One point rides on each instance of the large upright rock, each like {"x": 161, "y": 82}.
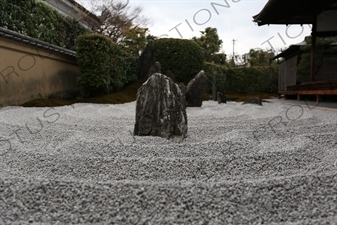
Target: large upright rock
{"x": 146, "y": 61}
{"x": 196, "y": 89}
{"x": 159, "y": 111}
{"x": 183, "y": 94}
{"x": 170, "y": 75}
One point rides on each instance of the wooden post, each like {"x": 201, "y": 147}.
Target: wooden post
{"x": 299, "y": 97}
{"x": 313, "y": 49}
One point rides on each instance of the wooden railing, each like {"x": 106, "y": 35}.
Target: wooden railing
{"x": 314, "y": 86}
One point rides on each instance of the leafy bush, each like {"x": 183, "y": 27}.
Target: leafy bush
{"x": 219, "y": 71}
{"x": 124, "y": 67}
{"x": 93, "y": 57}
{"x": 184, "y": 58}
{"x": 219, "y": 58}
{"x": 255, "y": 79}
{"x": 37, "y": 20}
{"x": 104, "y": 66}
{"x": 243, "y": 80}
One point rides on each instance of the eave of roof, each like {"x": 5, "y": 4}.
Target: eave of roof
{"x": 294, "y": 48}
{"x": 12, "y": 35}
{"x": 87, "y": 12}
{"x": 292, "y": 11}
{"x": 290, "y": 50}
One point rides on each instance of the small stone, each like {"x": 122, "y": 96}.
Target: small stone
{"x": 221, "y": 98}
{"x": 254, "y": 100}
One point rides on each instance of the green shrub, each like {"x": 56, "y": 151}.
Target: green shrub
{"x": 254, "y": 79}
{"x": 93, "y": 57}
{"x": 184, "y": 58}
{"x": 104, "y": 66}
{"x": 219, "y": 58}
{"x": 37, "y": 20}
{"x": 124, "y": 67}
{"x": 243, "y": 80}
{"x": 219, "y": 71}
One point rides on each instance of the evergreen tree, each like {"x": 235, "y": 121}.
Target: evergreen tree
{"x": 210, "y": 44}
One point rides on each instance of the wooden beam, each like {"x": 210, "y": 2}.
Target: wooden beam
{"x": 318, "y": 92}
{"x": 314, "y": 92}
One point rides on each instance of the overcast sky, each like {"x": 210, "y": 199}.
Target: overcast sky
{"x": 232, "y": 18}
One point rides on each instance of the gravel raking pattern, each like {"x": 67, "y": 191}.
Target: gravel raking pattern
{"x": 240, "y": 164}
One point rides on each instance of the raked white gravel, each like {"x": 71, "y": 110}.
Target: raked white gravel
{"x": 240, "y": 164}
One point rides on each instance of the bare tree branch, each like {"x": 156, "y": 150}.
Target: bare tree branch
{"x": 116, "y": 17}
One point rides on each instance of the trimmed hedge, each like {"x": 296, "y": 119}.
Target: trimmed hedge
{"x": 124, "y": 67}
{"x": 104, "y": 66}
{"x": 93, "y": 57}
{"x": 37, "y": 20}
{"x": 184, "y": 58}
{"x": 243, "y": 79}
{"x": 211, "y": 68}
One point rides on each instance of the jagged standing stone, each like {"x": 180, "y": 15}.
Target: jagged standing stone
{"x": 146, "y": 61}
{"x": 183, "y": 94}
{"x": 156, "y": 68}
{"x": 196, "y": 89}
{"x": 170, "y": 75}
{"x": 221, "y": 98}
{"x": 254, "y": 100}
{"x": 159, "y": 111}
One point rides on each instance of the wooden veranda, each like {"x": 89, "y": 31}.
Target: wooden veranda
{"x": 316, "y": 88}
{"x": 322, "y": 15}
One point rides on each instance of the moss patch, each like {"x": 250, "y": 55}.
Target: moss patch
{"x": 128, "y": 94}
{"x": 243, "y": 97}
